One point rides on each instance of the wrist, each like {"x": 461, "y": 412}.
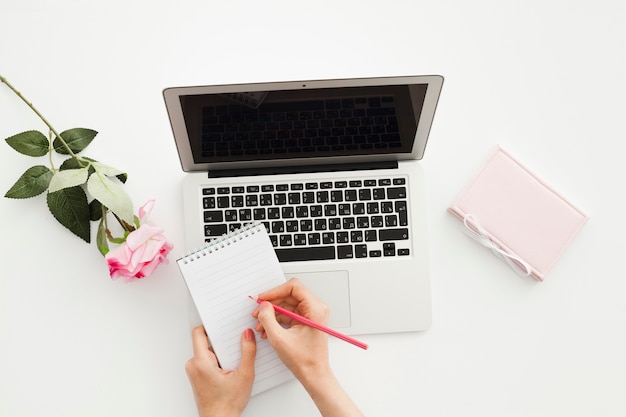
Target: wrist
{"x": 316, "y": 377}
{"x": 220, "y": 413}
{"x": 328, "y": 395}
{"x": 219, "y": 410}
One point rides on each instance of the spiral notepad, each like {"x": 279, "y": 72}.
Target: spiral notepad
{"x": 220, "y": 277}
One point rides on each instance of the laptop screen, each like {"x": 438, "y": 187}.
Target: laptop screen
{"x": 302, "y": 123}
{"x": 314, "y": 122}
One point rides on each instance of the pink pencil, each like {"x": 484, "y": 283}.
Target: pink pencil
{"x": 315, "y": 325}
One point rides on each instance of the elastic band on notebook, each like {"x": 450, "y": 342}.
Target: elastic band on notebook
{"x": 474, "y": 230}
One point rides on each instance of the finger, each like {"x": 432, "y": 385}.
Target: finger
{"x": 283, "y": 291}
{"x": 200, "y": 341}
{"x": 281, "y": 318}
{"x": 248, "y": 354}
{"x": 267, "y": 318}
{"x": 306, "y": 303}
{"x": 210, "y": 356}
{"x": 294, "y": 296}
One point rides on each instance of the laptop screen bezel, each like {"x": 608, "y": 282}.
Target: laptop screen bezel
{"x": 172, "y": 97}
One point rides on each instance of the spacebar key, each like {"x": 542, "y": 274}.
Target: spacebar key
{"x": 316, "y": 253}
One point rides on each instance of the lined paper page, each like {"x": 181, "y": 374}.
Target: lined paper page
{"x": 220, "y": 279}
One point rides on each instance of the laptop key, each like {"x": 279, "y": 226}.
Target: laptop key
{"x": 316, "y": 253}
{"x": 306, "y": 225}
{"x": 391, "y": 220}
{"x": 365, "y": 194}
{"x": 223, "y": 202}
{"x": 299, "y": 239}
{"x": 208, "y": 202}
{"x": 259, "y": 214}
{"x": 356, "y": 236}
{"x": 342, "y": 237}
{"x": 345, "y": 252}
{"x": 396, "y": 192}
{"x": 245, "y": 215}
{"x": 389, "y": 249}
{"x": 213, "y": 216}
{"x": 314, "y": 238}
{"x": 215, "y": 230}
{"x": 386, "y": 207}
{"x": 360, "y": 251}
{"x": 266, "y": 199}
{"x": 278, "y": 227}
{"x": 230, "y": 215}
{"x": 393, "y": 234}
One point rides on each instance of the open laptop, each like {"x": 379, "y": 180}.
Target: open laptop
{"x": 331, "y": 168}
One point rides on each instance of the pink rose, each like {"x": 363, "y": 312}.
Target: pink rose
{"x": 143, "y": 251}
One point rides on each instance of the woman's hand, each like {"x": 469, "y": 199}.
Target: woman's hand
{"x": 302, "y": 348}
{"x": 219, "y": 392}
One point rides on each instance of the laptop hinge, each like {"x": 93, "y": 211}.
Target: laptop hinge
{"x": 302, "y": 169}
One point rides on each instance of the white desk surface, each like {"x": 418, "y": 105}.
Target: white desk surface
{"x": 545, "y": 79}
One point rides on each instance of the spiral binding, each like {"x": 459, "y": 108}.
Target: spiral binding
{"x": 221, "y": 242}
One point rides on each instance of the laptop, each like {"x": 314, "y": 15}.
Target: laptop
{"x": 331, "y": 168}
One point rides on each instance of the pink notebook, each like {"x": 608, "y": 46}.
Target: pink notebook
{"x": 513, "y": 212}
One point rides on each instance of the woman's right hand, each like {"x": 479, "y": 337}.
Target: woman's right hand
{"x": 303, "y": 349}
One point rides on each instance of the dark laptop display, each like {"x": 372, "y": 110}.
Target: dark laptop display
{"x": 289, "y": 124}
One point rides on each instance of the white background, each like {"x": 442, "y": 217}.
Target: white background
{"x": 544, "y": 79}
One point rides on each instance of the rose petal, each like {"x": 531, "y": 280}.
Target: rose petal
{"x": 145, "y": 210}
{"x": 140, "y": 236}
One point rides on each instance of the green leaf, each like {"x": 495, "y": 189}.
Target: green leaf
{"x": 68, "y": 178}
{"x": 31, "y": 143}
{"x": 101, "y": 238}
{"x": 110, "y": 171}
{"x": 95, "y": 210}
{"x": 69, "y": 206}
{"x": 73, "y": 163}
{"x": 112, "y": 196}
{"x": 77, "y": 139}
{"x": 107, "y": 170}
{"x": 32, "y": 182}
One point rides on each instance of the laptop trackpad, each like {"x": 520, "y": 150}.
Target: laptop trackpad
{"x": 333, "y": 288}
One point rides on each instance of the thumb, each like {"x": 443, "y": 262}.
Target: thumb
{"x": 248, "y": 353}
{"x": 267, "y": 317}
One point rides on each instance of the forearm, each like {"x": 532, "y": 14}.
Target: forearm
{"x": 328, "y": 395}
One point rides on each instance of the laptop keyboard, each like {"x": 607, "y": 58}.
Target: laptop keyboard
{"x": 317, "y": 220}
{"x": 315, "y": 126}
